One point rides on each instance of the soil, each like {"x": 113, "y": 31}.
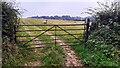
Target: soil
{"x": 71, "y": 59}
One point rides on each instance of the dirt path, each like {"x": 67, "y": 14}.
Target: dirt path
{"x": 71, "y": 59}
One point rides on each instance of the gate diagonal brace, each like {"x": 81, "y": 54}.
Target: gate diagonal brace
{"x": 69, "y": 33}
{"x": 39, "y": 35}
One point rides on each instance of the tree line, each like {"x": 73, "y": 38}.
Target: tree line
{"x": 64, "y": 17}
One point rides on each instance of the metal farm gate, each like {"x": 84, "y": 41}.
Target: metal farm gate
{"x": 56, "y": 30}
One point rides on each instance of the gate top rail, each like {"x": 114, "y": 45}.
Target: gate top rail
{"x": 52, "y": 25}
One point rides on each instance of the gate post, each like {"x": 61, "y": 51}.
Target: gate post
{"x": 87, "y": 29}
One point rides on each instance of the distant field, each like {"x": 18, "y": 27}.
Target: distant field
{"x": 50, "y": 21}
{"x": 40, "y": 21}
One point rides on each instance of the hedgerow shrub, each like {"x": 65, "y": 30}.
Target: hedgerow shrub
{"x": 106, "y": 41}
{"x": 10, "y": 16}
{"x": 11, "y": 54}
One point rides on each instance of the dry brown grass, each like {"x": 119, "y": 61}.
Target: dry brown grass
{"x": 51, "y": 21}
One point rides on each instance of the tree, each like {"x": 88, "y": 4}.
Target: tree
{"x": 9, "y": 19}
{"x": 107, "y": 14}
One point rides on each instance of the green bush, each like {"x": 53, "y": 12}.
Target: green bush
{"x": 106, "y": 41}
{"x": 101, "y": 49}
{"x": 9, "y": 19}
{"x": 107, "y": 13}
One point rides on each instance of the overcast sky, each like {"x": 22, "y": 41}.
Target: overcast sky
{"x": 56, "y": 7}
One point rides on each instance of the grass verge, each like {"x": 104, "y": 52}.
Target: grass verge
{"x": 93, "y": 58}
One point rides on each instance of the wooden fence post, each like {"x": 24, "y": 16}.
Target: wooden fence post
{"x": 87, "y": 29}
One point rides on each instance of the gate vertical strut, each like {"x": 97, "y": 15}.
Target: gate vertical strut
{"x": 55, "y": 34}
